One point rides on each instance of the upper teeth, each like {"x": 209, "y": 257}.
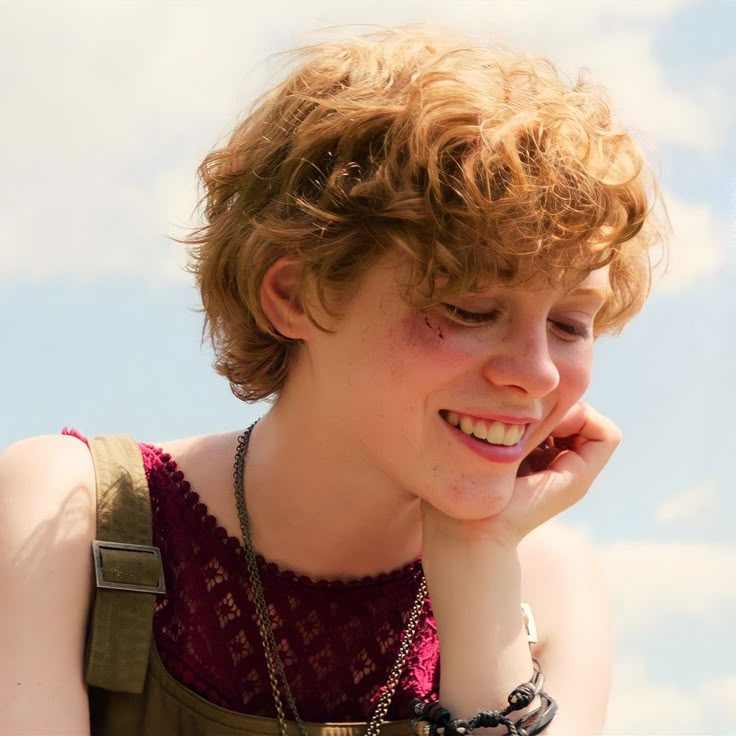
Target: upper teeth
{"x": 496, "y": 433}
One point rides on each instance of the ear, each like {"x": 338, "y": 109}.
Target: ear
{"x": 282, "y": 300}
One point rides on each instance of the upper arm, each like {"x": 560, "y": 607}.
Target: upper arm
{"x": 47, "y": 523}
{"x": 566, "y": 586}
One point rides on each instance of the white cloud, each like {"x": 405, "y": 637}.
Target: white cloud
{"x": 661, "y": 115}
{"x": 693, "y": 245}
{"x": 698, "y": 120}
{"x": 616, "y": 42}
{"x": 655, "y": 581}
{"x": 654, "y": 584}
{"x": 108, "y": 108}
{"x": 643, "y": 705}
{"x": 689, "y": 506}
{"x": 100, "y": 164}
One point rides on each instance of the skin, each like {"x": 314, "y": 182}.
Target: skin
{"x": 366, "y": 400}
{"x": 364, "y": 406}
{"x": 374, "y": 478}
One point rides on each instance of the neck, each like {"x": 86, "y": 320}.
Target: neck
{"x": 316, "y": 509}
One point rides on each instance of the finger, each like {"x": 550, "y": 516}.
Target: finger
{"x": 572, "y": 422}
{"x": 597, "y": 439}
{"x": 584, "y": 421}
{"x": 590, "y": 450}
{"x": 579, "y": 459}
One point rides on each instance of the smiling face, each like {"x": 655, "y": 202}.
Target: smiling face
{"x": 411, "y": 393}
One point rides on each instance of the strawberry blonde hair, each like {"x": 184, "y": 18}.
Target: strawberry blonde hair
{"x": 479, "y": 164}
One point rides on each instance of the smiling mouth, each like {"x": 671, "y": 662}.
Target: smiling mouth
{"x": 493, "y": 433}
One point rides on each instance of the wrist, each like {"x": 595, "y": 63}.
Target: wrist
{"x": 439, "y": 528}
{"x": 483, "y": 568}
{"x": 476, "y": 599}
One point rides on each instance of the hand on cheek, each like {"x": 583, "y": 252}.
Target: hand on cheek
{"x": 556, "y": 476}
{"x": 551, "y": 478}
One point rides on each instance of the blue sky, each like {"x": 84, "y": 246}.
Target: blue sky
{"x": 108, "y": 107}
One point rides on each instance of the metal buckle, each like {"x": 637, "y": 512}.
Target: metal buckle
{"x": 98, "y": 546}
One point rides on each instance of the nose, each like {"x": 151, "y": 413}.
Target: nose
{"x": 521, "y": 359}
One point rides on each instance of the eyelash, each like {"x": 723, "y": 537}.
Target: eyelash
{"x": 580, "y": 332}
{"x": 475, "y": 317}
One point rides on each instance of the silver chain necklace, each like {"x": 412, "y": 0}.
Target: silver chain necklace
{"x": 274, "y": 663}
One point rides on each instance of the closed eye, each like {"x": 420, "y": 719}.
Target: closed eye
{"x": 574, "y": 330}
{"x": 463, "y": 315}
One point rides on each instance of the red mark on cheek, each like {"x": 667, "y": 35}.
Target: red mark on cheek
{"x": 436, "y": 328}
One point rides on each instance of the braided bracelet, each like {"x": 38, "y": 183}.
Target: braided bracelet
{"x": 530, "y": 725}
{"x": 535, "y": 722}
{"x": 432, "y": 719}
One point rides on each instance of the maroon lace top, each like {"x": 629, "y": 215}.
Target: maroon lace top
{"x": 337, "y": 640}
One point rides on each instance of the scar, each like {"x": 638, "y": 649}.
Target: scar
{"x": 438, "y": 329}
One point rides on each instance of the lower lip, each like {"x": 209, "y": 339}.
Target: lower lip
{"x": 493, "y": 453}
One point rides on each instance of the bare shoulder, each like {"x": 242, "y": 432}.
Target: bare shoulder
{"x": 564, "y": 582}
{"x": 47, "y": 523}
{"x": 202, "y": 446}
{"x": 561, "y": 573}
{"x": 47, "y": 496}
{"x": 47, "y": 502}
{"x": 206, "y": 462}
{"x": 45, "y": 477}
{"x": 558, "y": 550}
{"x": 202, "y": 457}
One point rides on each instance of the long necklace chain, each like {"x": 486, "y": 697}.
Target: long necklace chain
{"x": 274, "y": 663}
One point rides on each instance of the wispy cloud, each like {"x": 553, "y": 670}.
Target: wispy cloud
{"x": 643, "y": 705}
{"x": 693, "y": 251}
{"x": 656, "y": 584}
{"x": 655, "y": 581}
{"x": 107, "y": 110}
{"x": 690, "y": 506}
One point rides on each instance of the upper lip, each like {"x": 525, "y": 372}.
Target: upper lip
{"x": 504, "y": 418}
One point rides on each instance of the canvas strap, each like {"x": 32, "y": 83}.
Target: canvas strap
{"x": 128, "y": 571}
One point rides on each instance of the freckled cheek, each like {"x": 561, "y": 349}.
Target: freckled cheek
{"x": 430, "y": 342}
{"x": 575, "y": 376}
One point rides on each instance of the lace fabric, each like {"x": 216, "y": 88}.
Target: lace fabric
{"x": 337, "y": 640}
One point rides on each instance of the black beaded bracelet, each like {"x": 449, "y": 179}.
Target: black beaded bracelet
{"x": 530, "y": 725}
{"x": 535, "y": 722}
{"x": 432, "y": 719}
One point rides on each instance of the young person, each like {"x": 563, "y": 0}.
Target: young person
{"x": 410, "y": 246}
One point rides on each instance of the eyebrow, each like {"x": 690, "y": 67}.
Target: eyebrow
{"x": 590, "y": 291}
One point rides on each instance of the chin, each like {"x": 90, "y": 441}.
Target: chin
{"x": 474, "y": 503}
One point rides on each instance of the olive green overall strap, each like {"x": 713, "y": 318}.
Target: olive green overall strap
{"x": 128, "y": 571}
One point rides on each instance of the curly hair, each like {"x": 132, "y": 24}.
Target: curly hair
{"x": 479, "y": 164}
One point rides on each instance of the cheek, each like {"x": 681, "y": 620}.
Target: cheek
{"x": 575, "y": 374}
{"x": 422, "y": 332}
{"x": 422, "y": 352}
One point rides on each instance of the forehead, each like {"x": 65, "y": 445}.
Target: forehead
{"x": 593, "y": 284}
{"x": 597, "y": 281}
{"x": 393, "y": 274}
